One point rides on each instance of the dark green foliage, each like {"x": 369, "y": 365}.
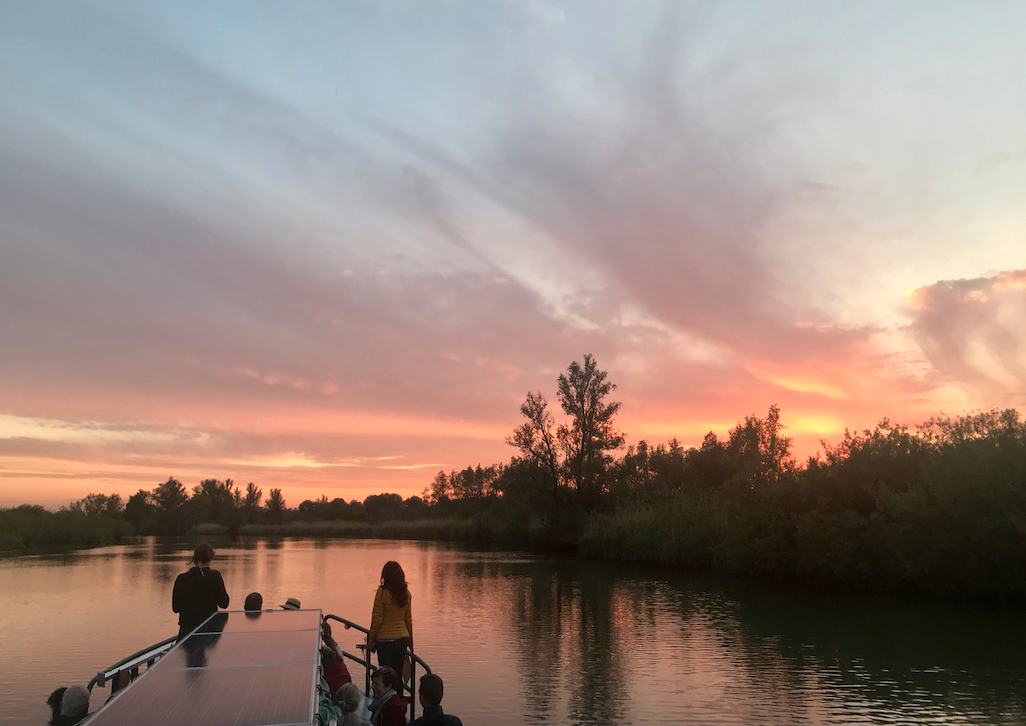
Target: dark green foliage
{"x": 941, "y": 509}
{"x": 33, "y": 527}
{"x": 573, "y": 454}
{"x": 275, "y": 506}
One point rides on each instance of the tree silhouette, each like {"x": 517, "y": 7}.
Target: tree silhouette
{"x": 170, "y": 499}
{"x": 582, "y": 394}
{"x": 275, "y": 505}
{"x": 574, "y": 454}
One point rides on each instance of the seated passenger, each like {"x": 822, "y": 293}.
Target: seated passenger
{"x": 74, "y": 706}
{"x": 349, "y": 699}
{"x": 254, "y": 602}
{"x": 335, "y": 671}
{"x": 292, "y": 604}
{"x": 328, "y": 714}
{"x": 388, "y": 708}
{"x": 431, "y": 702}
{"x": 54, "y": 702}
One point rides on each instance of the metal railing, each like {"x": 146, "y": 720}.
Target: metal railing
{"x": 130, "y": 665}
{"x": 365, "y": 661}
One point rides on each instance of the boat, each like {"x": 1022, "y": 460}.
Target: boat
{"x": 238, "y": 668}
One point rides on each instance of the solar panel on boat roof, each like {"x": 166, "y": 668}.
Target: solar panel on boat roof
{"x": 224, "y": 650}
{"x": 242, "y": 696}
{"x": 227, "y": 678}
{"x": 263, "y": 620}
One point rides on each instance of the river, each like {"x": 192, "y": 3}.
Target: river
{"x": 526, "y": 639}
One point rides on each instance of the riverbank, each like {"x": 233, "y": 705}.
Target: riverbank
{"x": 31, "y": 528}
{"x": 435, "y": 529}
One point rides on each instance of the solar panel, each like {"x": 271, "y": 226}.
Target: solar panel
{"x": 229, "y": 622}
{"x": 227, "y": 675}
{"x": 275, "y": 647}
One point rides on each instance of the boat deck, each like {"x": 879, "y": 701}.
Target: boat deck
{"x": 237, "y": 669}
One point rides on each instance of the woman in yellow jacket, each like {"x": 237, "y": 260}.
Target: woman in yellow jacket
{"x": 391, "y": 630}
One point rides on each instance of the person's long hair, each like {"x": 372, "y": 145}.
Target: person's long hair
{"x": 394, "y": 580}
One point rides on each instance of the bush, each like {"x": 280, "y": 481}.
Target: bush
{"x": 33, "y": 527}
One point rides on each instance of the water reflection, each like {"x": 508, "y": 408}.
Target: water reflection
{"x": 196, "y": 646}
{"x": 757, "y": 655}
{"x": 547, "y": 641}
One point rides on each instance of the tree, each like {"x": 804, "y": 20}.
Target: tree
{"x": 99, "y": 505}
{"x": 215, "y": 501}
{"x": 139, "y": 509}
{"x": 536, "y": 438}
{"x": 170, "y": 498}
{"x": 582, "y": 394}
{"x": 382, "y": 507}
{"x": 251, "y": 502}
{"x": 275, "y": 506}
{"x": 759, "y": 451}
{"x": 574, "y": 455}
{"x": 440, "y": 490}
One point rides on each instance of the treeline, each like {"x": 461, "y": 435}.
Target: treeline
{"x": 940, "y": 507}
{"x": 171, "y": 509}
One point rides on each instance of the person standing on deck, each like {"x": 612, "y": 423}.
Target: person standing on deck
{"x": 391, "y": 630}
{"x": 199, "y": 592}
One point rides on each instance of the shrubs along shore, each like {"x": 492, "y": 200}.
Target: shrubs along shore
{"x": 35, "y": 528}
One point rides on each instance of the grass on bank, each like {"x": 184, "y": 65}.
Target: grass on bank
{"x": 427, "y": 529}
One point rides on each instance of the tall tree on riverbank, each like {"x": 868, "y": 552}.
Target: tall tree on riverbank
{"x": 275, "y": 506}
{"x": 574, "y": 455}
{"x": 583, "y": 391}
{"x": 170, "y": 499}
{"x": 251, "y": 502}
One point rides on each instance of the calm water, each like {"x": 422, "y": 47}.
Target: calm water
{"x": 522, "y": 639}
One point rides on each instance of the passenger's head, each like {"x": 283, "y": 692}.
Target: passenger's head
{"x": 430, "y": 690}
{"x": 393, "y": 579}
{"x": 348, "y": 697}
{"x": 75, "y": 702}
{"x": 384, "y": 678}
{"x": 54, "y": 702}
{"x": 203, "y": 555}
{"x": 254, "y": 601}
{"x": 292, "y": 604}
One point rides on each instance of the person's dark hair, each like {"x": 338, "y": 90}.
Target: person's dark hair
{"x": 54, "y": 702}
{"x": 203, "y": 553}
{"x": 431, "y": 689}
{"x": 387, "y": 676}
{"x": 254, "y": 601}
{"x": 394, "y": 580}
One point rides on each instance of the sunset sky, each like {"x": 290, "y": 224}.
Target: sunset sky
{"x": 331, "y": 246}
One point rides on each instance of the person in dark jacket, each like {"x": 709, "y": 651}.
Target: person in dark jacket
{"x": 431, "y": 702}
{"x": 388, "y": 708}
{"x": 199, "y": 592}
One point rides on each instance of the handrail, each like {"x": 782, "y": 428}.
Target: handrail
{"x": 368, "y": 667}
{"x": 146, "y": 655}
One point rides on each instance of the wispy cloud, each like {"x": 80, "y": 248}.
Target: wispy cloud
{"x": 322, "y": 254}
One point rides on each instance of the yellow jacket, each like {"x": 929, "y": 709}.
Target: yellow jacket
{"x": 389, "y": 621}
